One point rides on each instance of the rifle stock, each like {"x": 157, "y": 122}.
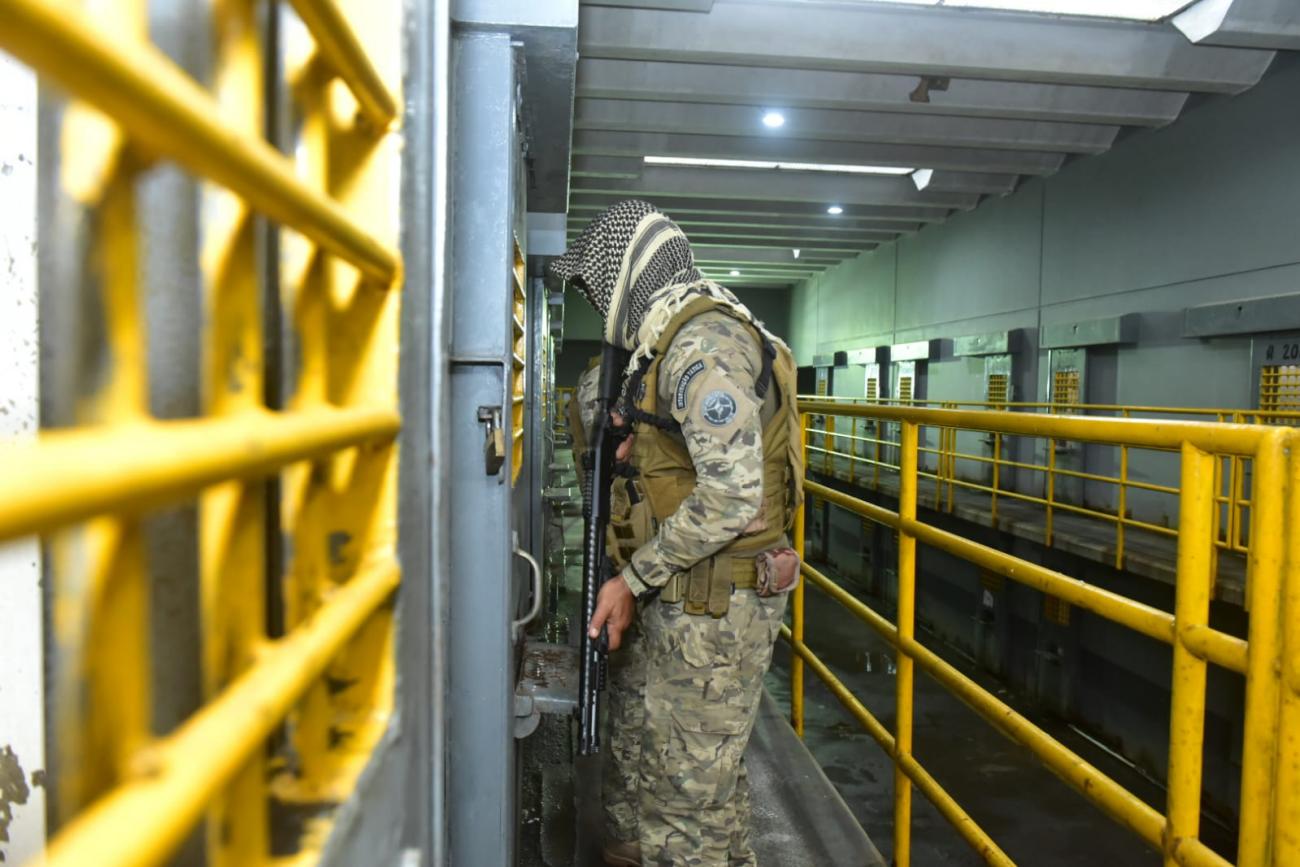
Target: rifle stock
{"x": 596, "y": 498}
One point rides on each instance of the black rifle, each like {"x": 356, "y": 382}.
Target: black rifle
{"x": 595, "y": 568}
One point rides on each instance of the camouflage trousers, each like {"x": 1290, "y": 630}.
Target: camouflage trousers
{"x": 625, "y": 715}
{"x": 704, "y": 678}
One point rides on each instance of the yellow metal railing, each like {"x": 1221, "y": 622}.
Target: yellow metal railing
{"x": 563, "y": 395}
{"x": 291, "y": 711}
{"x": 987, "y": 474}
{"x": 1269, "y": 658}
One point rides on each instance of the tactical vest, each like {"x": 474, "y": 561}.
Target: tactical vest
{"x": 668, "y": 474}
{"x": 630, "y": 525}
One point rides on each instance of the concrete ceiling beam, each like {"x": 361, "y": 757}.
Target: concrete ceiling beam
{"x": 808, "y": 187}
{"x": 865, "y": 91}
{"x": 681, "y": 206}
{"x": 846, "y": 126}
{"x": 899, "y": 40}
{"x": 795, "y": 150}
{"x": 831, "y": 227}
{"x": 1269, "y": 24}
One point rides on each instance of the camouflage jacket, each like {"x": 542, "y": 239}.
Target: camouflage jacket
{"x": 707, "y": 380}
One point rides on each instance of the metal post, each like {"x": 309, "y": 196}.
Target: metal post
{"x": 1051, "y": 490}
{"x": 1123, "y": 506}
{"x": 997, "y": 473}
{"x": 1191, "y": 612}
{"x": 828, "y": 440}
{"x": 796, "y": 617}
{"x": 1286, "y": 785}
{"x": 906, "y": 616}
{"x": 853, "y": 451}
{"x": 1268, "y": 535}
{"x": 481, "y": 816}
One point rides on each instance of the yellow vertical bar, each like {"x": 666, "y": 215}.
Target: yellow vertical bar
{"x": 875, "y": 467}
{"x": 1264, "y": 581}
{"x": 1122, "y": 511}
{"x": 828, "y": 457}
{"x": 997, "y": 468}
{"x": 853, "y": 450}
{"x": 906, "y": 616}
{"x": 952, "y": 462}
{"x": 1286, "y": 787}
{"x": 233, "y": 515}
{"x": 1051, "y": 490}
{"x": 796, "y": 616}
{"x": 1215, "y": 529}
{"x": 1191, "y": 613}
{"x": 101, "y": 610}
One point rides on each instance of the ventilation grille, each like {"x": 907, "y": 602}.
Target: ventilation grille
{"x": 905, "y": 388}
{"x": 1065, "y": 387}
{"x": 998, "y": 386}
{"x": 1056, "y": 610}
{"x": 1279, "y": 389}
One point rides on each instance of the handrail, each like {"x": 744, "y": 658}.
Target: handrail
{"x": 949, "y": 466}
{"x": 339, "y": 45}
{"x": 295, "y": 531}
{"x": 164, "y": 110}
{"x": 1221, "y": 414}
{"x": 1238, "y": 439}
{"x": 63, "y": 477}
{"x": 176, "y": 778}
{"x": 1271, "y": 755}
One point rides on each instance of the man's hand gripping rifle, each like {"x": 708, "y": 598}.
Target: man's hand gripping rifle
{"x": 596, "y": 567}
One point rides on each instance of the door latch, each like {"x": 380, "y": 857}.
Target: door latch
{"x": 494, "y": 444}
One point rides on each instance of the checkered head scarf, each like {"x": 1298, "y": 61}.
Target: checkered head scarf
{"x": 626, "y": 254}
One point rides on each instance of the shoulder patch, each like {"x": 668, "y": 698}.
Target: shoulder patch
{"x": 696, "y": 368}
{"x": 718, "y": 408}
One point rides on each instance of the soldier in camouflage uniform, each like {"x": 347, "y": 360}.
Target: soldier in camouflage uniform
{"x": 712, "y": 396}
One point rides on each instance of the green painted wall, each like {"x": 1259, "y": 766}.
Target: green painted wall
{"x": 1201, "y": 211}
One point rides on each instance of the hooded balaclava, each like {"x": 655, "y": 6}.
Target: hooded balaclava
{"x": 626, "y": 254}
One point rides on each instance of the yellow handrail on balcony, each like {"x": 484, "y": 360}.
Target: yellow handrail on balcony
{"x": 1040, "y": 484}
{"x": 1269, "y": 657}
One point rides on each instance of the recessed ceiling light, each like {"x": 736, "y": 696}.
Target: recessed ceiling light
{"x": 834, "y": 210}
{"x": 837, "y": 168}
{"x": 796, "y": 252}
{"x": 734, "y": 273}
{"x": 773, "y": 119}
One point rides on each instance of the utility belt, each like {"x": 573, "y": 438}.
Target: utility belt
{"x": 707, "y": 586}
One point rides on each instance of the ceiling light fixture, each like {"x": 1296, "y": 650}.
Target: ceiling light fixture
{"x": 922, "y": 177}
{"x": 1130, "y": 10}
{"x": 734, "y": 273}
{"x": 796, "y": 252}
{"x": 837, "y": 168}
{"x": 1133, "y": 10}
{"x": 773, "y": 119}
{"x": 834, "y": 210}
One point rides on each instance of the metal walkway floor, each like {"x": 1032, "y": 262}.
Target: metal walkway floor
{"x": 800, "y": 820}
